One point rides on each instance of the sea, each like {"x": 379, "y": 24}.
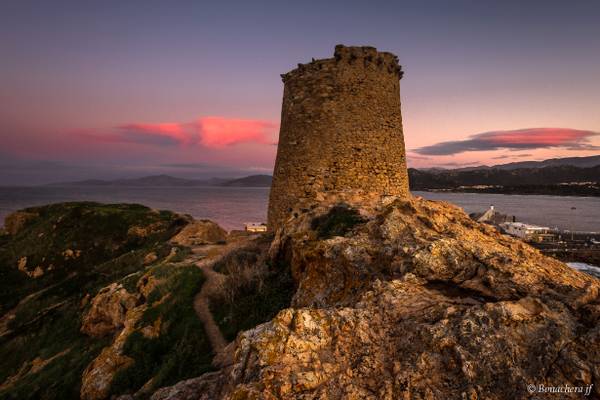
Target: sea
{"x": 231, "y": 207}
{"x": 587, "y": 268}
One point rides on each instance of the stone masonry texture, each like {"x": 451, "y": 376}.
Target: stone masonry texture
{"x": 341, "y": 130}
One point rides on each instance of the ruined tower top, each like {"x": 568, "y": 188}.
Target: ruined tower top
{"x": 341, "y": 130}
{"x": 351, "y": 55}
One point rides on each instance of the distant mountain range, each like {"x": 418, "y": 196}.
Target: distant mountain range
{"x": 541, "y": 177}
{"x": 455, "y": 179}
{"x": 581, "y": 162}
{"x": 171, "y": 181}
{"x": 574, "y": 176}
{"x": 250, "y": 181}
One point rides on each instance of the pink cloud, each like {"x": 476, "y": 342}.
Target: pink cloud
{"x": 542, "y": 137}
{"x": 209, "y": 132}
{"x": 533, "y": 138}
{"x": 220, "y": 132}
{"x": 185, "y": 134}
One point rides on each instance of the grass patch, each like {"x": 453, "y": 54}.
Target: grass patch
{"x": 96, "y": 233}
{"x": 232, "y": 262}
{"x": 57, "y": 332}
{"x": 251, "y": 299}
{"x": 337, "y": 222}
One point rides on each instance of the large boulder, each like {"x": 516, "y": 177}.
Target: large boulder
{"x": 98, "y": 377}
{"x": 200, "y": 233}
{"x": 107, "y": 311}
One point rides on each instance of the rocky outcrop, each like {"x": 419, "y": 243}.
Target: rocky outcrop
{"x": 16, "y": 221}
{"x": 35, "y": 273}
{"x": 144, "y": 231}
{"x": 202, "y": 388}
{"x": 98, "y": 376}
{"x": 413, "y": 300}
{"x": 107, "y": 311}
{"x": 199, "y": 233}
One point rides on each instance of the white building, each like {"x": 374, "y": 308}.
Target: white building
{"x": 525, "y": 231}
{"x": 255, "y": 227}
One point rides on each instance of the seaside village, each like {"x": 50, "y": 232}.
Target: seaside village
{"x": 549, "y": 240}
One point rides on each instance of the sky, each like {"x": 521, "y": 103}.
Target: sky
{"x": 192, "y": 88}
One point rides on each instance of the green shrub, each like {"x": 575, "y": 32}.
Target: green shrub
{"x": 237, "y": 259}
{"x": 337, "y": 222}
{"x": 253, "y": 301}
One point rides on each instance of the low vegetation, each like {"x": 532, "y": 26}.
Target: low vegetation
{"x": 254, "y": 291}
{"x": 180, "y": 349}
{"x": 337, "y": 222}
{"x": 55, "y": 259}
{"x": 76, "y": 249}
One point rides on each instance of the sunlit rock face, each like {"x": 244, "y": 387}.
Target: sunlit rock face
{"x": 107, "y": 311}
{"x": 410, "y": 299}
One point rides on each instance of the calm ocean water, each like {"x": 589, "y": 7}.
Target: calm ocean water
{"x": 231, "y": 207}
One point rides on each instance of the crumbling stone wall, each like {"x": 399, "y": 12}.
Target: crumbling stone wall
{"x": 341, "y": 129}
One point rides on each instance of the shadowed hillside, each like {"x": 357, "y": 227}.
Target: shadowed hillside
{"x": 557, "y": 180}
{"x": 99, "y": 299}
{"x": 53, "y": 261}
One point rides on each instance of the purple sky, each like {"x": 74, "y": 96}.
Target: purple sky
{"x": 123, "y": 89}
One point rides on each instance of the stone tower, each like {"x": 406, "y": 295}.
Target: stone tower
{"x": 341, "y": 129}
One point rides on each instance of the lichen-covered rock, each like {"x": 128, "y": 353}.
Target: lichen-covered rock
{"x": 98, "y": 376}
{"x": 150, "y": 258}
{"x": 199, "y": 233}
{"x": 144, "y": 231}
{"x": 16, "y": 221}
{"x": 416, "y": 301}
{"x": 22, "y": 266}
{"x": 201, "y": 388}
{"x": 146, "y": 284}
{"x": 404, "y": 339}
{"x": 107, "y": 311}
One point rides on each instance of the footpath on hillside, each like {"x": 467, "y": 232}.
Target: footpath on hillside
{"x": 205, "y": 257}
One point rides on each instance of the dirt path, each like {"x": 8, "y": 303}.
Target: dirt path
{"x": 205, "y": 257}
{"x": 213, "y": 282}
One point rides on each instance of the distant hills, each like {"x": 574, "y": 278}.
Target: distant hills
{"x": 574, "y": 176}
{"x": 563, "y": 180}
{"x": 581, "y": 162}
{"x": 420, "y": 179}
{"x": 250, "y": 181}
{"x": 171, "y": 181}
{"x": 558, "y": 176}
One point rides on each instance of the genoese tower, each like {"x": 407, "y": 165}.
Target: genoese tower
{"x": 341, "y": 130}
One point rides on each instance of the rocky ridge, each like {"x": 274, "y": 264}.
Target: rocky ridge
{"x": 355, "y": 297}
{"x": 411, "y": 299}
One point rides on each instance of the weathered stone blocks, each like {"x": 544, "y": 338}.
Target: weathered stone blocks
{"x": 341, "y": 129}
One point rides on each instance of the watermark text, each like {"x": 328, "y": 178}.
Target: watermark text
{"x": 541, "y": 388}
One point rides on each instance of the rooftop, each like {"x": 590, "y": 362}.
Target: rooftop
{"x": 521, "y": 225}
